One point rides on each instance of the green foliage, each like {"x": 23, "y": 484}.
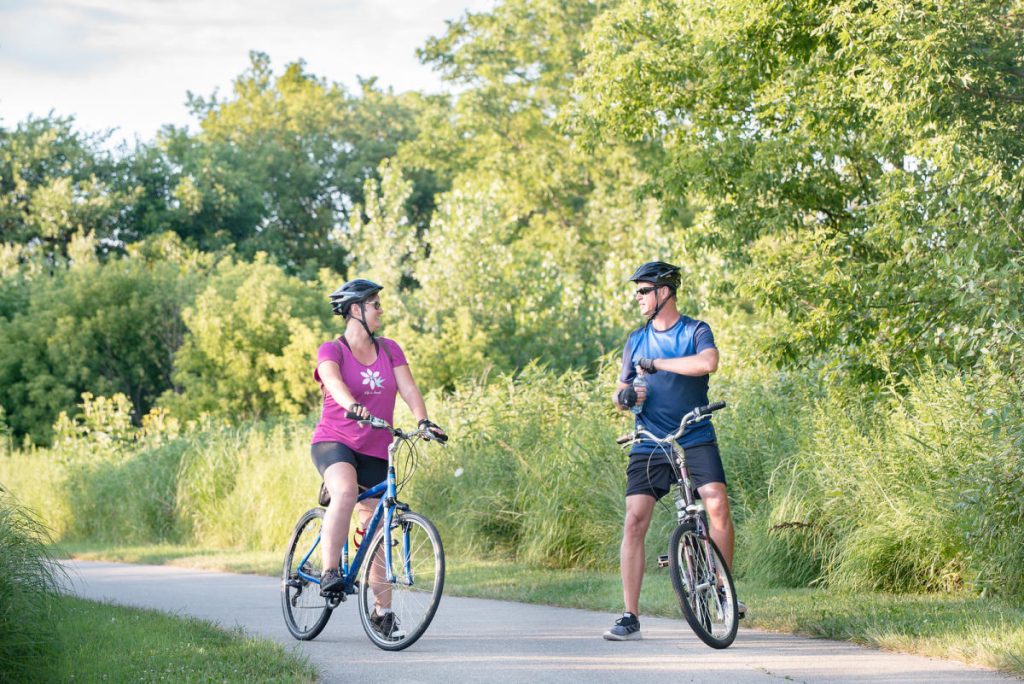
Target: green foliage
{"x": 103, "y": 510}
{"x": 100, "y": 328}
{"x": 539, "y": 487}
{"x": 245, "y": 488}
{"x": 252, "y": 337}
{"x": 528, "y": 250}
{"x": 885, "y": 495}
{"x": 279, "y": 166}
{"x": 859, "y": 163}
{"x": 56, "y": 182}
{"x": 28, "y": 593}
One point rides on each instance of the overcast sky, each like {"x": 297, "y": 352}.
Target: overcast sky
{"x": 127, "y": 64}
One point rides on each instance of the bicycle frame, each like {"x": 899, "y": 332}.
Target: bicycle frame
{"x": 686, "y": 506}
{"x": 687, "y": 510}
{"x": 385, "y": 509}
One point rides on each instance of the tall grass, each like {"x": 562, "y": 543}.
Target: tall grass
{"x": 532, "y": 471}
{"x": 244, "y": 488}
{"x": 28, "y": 591}
{"x": 917, "y": 488}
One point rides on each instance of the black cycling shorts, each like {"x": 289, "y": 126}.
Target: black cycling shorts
{"x": 370, "y": 470}
{"x": 649, "y": 473}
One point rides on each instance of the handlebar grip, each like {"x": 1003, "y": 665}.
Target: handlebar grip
{"x": 624, "y": 439}
{"x": 353, "y": 416}
{"x": 710, "y": 408}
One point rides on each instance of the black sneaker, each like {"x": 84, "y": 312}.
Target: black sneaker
{"x": 626, "y": 628}
{"x": 331, "y": 582}
{"x": 386, "y": 625}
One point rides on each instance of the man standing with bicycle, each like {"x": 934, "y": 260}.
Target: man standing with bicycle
{"x": 674, "y": 356}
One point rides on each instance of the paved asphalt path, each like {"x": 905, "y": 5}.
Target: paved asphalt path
{"x": 476, "y": 640}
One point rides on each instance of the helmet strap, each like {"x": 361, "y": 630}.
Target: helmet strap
{"x": 659, "y": 303}
{"x": 362, "y": 309}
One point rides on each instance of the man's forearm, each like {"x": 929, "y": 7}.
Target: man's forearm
{"x": 694, "y": 366}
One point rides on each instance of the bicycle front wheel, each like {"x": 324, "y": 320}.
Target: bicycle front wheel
{"x": 306, "y": 612}
{"x": 704, "y": 586}
{"x": 396, "y": 612}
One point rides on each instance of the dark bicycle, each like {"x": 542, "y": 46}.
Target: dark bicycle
{"x": 700, "y": 577}
{"x": 405, "y": 568}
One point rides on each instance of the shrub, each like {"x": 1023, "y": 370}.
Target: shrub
{"x": 28, "y": 593}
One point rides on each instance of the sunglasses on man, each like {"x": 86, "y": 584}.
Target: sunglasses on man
{"x": 646, "y": 290}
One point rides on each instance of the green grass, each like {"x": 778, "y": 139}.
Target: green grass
{"x": 153, "y": 647}
{"x": 28, "y": 592}
{"x": 978, "y": 631}
{"x": 243, "y": 562}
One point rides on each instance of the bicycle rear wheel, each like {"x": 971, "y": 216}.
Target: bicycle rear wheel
{"x": 417, "y": 565}
{"x": 704, "y": 587}
{"x": 306, "y": 612}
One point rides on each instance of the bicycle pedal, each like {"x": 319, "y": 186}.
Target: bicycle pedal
{"x": 663, "y": 561}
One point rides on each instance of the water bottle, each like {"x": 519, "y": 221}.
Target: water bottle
{"x": 640, "y": 387}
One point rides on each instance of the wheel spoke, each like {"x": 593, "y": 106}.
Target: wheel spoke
{"x": 305, "y": 611}
{"x": 417, "y": 569}
{"x": 703, "y": 586}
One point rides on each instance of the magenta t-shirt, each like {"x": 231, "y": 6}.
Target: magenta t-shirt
{"x": 372, "y": 386}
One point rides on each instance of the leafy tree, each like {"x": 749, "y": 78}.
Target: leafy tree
{"x": 279, "y": 166}
{"x": 528, "y": 250}
{"x": 859, "y": 164}
{"x": 56, "y": 182}
{"x": 250, "y": 349}
{"x": 102, "y": 328}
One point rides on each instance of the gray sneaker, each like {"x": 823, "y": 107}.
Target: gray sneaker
{"x": 626, "y": 628}
{"x": 741, "y": 607}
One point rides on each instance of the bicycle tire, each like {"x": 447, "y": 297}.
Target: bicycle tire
{"x": 413, "y": 538}
{"x": 306, "y": 612}
{"x": 711, "y": 613}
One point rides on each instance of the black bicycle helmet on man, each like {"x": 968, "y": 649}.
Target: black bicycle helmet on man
{"x": 659, "y": 274}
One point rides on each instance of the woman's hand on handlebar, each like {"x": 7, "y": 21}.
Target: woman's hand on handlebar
{"x": 433, "y": 430}
{"x": 357, "y": 412}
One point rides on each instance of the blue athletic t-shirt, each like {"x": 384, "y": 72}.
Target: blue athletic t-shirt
{"x": 669, "y": 395}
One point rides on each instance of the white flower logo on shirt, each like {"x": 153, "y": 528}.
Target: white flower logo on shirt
{"x": 372, "y": 378}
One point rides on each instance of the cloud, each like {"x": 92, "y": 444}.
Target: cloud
{"x": 129, "y": 64}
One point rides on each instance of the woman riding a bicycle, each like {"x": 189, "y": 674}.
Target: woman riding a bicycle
{"x": 360, "y": 374}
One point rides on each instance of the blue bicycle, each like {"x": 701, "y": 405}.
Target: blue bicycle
{"x": 405, "y": 571}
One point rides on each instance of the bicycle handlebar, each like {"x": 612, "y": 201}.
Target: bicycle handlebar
{"x": 698, "y": 414}
{"x": 709, "y": 409}
{"x": 381, "y": 424}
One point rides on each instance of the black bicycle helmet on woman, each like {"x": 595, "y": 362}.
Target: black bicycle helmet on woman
{"x": 354, "y": 292}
